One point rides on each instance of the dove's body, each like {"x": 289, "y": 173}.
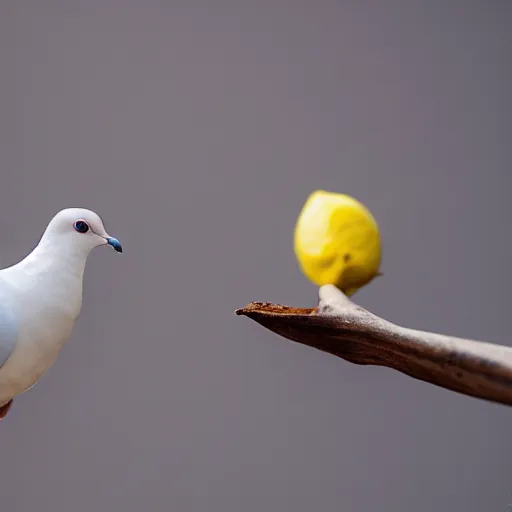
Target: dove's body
{"x": 43, "y": 297}
{"x": 40, "y": 299}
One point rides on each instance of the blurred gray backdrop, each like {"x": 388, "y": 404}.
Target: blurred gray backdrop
{"x": 197, "y": 129}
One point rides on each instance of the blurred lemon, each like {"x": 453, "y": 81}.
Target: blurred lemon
{"x": 337, "y": 241}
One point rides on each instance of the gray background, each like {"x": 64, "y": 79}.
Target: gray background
{"x": 197, "y": 130}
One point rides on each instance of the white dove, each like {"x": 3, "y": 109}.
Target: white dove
{"x": 41, "y": 297}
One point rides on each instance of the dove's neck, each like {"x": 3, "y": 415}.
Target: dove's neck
{"x": 49, "y": 260}
{"x": 51, "y": 275}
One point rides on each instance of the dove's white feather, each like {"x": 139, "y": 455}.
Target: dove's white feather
{"x": 43, "y": 295}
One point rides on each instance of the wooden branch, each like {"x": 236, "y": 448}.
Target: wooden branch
{"x": 340, "y": 327}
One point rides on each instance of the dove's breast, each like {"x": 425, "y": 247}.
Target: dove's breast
{"x": 44, "y": 324}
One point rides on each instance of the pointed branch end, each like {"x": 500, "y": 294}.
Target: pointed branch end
{"x": 270, "y": 309}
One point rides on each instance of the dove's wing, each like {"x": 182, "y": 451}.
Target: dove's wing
{"x": 8, "y": 333}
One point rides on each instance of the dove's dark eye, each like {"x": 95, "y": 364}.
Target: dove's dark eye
{"x": 81, "y": 226}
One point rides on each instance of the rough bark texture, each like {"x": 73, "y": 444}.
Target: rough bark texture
{"x": 340, "y": 327}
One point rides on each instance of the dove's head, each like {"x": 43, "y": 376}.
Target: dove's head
{"x": 78, "y": 230}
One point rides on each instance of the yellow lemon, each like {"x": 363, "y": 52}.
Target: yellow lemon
{"x": 337, "y": 241}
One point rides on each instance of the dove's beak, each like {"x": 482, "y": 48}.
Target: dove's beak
{"x": 114, "y": 242}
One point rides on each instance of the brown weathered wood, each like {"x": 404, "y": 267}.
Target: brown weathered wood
{"x": 340, "y": 327}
